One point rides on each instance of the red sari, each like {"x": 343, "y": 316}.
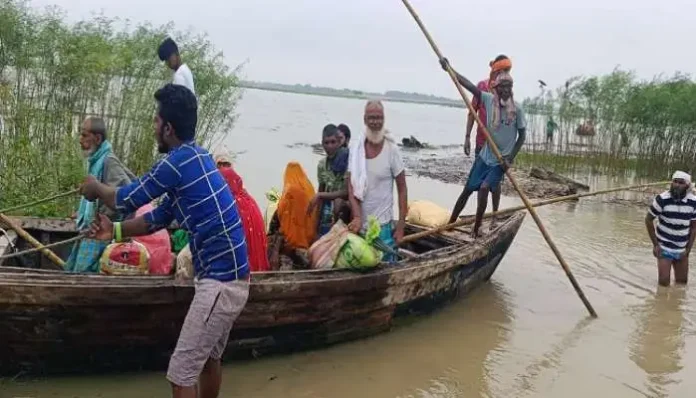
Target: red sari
{"x": 252, "y": 220}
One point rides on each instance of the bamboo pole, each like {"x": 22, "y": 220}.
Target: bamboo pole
{"x": 470, "y": 219}
{"x": 495, "y": 150}
{"x": 25, "y": 235}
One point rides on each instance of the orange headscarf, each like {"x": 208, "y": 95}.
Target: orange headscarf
{"x": 297, "y": 227}
{"x": 497, "y": 66}
{"x": 500, "y": 65}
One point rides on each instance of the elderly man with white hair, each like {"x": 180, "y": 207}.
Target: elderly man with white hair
{"x": 673, "y": 236}
{"x": 375, "y": 163}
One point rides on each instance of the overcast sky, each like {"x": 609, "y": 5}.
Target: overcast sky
{"x": 376, "y": 45}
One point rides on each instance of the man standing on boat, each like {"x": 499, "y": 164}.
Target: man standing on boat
{"x": 673, "y": 236}
{"x": 107, "y": 168}
{"x": 374, "y": 164}
{"x": 169, "y": 53}
{"x": 501, "y": 63}
{"x": 196, "y": 195}
{"x": 507, "y": 125}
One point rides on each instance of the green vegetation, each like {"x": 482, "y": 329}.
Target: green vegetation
{"x": 646, "y": 127}
{"x": 53, "y": 74}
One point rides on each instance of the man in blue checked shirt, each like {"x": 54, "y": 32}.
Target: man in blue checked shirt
{"x": 196, "y": 195}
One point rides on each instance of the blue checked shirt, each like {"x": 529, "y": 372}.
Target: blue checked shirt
{"x": 196, "y": 194}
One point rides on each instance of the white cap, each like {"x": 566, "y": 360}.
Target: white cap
{"x": 680, "y": 175}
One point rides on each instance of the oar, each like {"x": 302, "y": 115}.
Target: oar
{"x": 25, "y": 235}
{"x": 470, "y": 219}
{"x": 494, "y": 147}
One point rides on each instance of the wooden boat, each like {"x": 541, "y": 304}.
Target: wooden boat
{"x": 54, "y": 322}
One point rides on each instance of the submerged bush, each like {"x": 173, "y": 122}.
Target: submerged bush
{"x": 53, "y": 74}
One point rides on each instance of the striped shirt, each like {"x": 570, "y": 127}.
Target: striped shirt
{"x": 674, "y": 218}
{"x": 196, "y": 195}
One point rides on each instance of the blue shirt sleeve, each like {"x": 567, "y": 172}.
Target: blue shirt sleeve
{"x": 161, "y": 216}
{"x": 163, "y": 177}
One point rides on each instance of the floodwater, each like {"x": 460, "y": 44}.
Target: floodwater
{"x": 524, "y": 334}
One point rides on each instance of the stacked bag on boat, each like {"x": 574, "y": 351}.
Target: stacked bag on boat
{"x": 340, "y": 248}
{"x": 272, "y": 198}
{"x": 427, "y": 214}
{"x": 142, "y": 255}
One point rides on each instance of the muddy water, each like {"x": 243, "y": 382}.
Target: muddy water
{"x": 523, "y": 334}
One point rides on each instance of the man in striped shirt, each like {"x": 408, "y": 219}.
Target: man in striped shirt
{"x": 673, "y": 237}
{"x": 196, "y": 195}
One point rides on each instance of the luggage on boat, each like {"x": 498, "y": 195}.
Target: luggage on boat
{"x": 126, "y": 258}
{"x": 158, "y": 246}
{"x": 358, "y": 253}
{"x": 272, "y": 198}
{"x": 184, "y": 264}
{"x": 427, "y": 214}
{"x": 323, "y": 252}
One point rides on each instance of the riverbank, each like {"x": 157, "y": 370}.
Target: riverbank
{"x": 386, "y": 98}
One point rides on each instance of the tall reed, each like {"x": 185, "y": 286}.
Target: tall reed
{"x": 646, "y": 127}
{"x": 53, "y": 74}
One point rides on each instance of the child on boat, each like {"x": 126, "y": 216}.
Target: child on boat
{"x": 331, "y": 200}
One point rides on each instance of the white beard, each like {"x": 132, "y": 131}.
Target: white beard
{"x": 86, "y": 153}
{"x": 375, "y": 137}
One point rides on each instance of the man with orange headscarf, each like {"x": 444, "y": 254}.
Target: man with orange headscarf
{"x": 506, "y": 123}
{"x": 501, "y": 63}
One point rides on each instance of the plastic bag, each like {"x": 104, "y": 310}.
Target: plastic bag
{"x": 427, "y": 214}
{"x": 323, "y": 252}
{"x": 129, "y": 258}
{"x": 184, "y": 264}
{"x": 358, "y": 253}
{"x": 272, "y": 198}
{"x": 158, "y": 246}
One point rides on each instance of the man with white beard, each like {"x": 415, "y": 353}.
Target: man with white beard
{"x": 374, "y": 164}
{"x": 107, "y": 168}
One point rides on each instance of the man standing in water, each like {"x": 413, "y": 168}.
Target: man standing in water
{"x": 169, "y": 53}
{"x": 107, "y": 168}
{"x": 374, "y": 164}
{"x": 196, "y": 195}
{"x": 507, "y": 125}
{"x": 673, "y": 237}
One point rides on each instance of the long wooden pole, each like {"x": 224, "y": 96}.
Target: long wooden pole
{"x": 494, "y": 147}
{"x": 25, "y": 235}
{"x": 470, "y": 219}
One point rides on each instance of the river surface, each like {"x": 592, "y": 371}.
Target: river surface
{"x": 526, "y": 333}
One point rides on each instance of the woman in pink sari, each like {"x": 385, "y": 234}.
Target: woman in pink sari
{"x": 251, "y": 216}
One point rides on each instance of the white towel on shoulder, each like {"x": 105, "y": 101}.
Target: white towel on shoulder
{"x": 357, "y": 163}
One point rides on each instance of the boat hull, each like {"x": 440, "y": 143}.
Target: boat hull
{"x": 55, "y": 323}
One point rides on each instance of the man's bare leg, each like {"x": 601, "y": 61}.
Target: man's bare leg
{"x": 681, "y": 270}
{"x": 480, "y": 209}
{"x": 211, "y": 378}
{"x": 184, "y": 392}
{"x": 495, "y": 196}
{"x": 664, "y": 271}
{"x": 459, "y": 206}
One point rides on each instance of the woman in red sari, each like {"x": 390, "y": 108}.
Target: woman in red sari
{"x": 252, "y": 220}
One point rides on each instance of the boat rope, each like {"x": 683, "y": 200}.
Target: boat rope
{"x": 38, "y": 249}
{"x": 40, "y": 201}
